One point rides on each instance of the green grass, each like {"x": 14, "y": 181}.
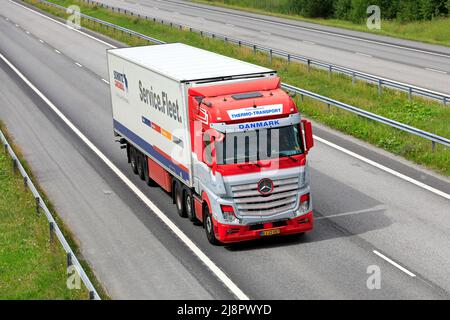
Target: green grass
{"x": 30, "y": 266}
{"x": 436, "y": 31}
{"x": 426, "y": 115}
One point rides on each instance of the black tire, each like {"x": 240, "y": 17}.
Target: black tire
{"x": 209, "y": 227}
{"x": 140, "y": 164}
{"x": 179, "y": 199}
{"x": 133, "y": 159}
{"x": 189, "y": 206}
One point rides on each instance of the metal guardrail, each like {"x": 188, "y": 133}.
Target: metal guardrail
{"x": 372, "y": 116}
{"x": 54, "y": 229}
{"x": 363, "y": 113}
{"x": 355, "y": 75}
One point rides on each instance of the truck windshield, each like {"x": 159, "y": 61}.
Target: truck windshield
{"x": 261, "y": 144}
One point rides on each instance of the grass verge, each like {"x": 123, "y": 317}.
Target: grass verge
{"x": 424, "y": 114}
{"x": 31, "y": 268}
{"x": 436, "y": 31}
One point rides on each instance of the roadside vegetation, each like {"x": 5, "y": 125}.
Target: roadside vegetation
{"x": 31, "y": 267}
{"x": 420, "y": 20}
{"x": 424, "y": 114}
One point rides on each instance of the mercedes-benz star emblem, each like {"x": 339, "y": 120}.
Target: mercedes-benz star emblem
{"x": 265, "y": 186}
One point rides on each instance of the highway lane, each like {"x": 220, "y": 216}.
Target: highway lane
{"x": 106, "y": 219}
{"x": 410, "y": 62}
{"x": 331, "y": 262}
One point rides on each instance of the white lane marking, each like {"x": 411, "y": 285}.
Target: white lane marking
{"x": 230, "y": 25}
{"x": 384, "y": 168}
{"x": 62, "y": 24}
{"x": 308, "y": 42}
{"x": 265, "y": 32}
{"x": 165, "y": 219}
{"x": 350, "y": 153}
{"x": 41, "y": 41}
{"x": 395, "y": 264}
{"x": 79, "y": 65}
{"x": 363, "y": 54}
{"x": 369, "y": 210}
{"x": 435, "y": 70}
{"x": 57, "y": 51}
{"x": 320, "y": 31}
{"x": 105, "y": 81}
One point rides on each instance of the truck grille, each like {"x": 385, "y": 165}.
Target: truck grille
{"x": 250, "y": 202}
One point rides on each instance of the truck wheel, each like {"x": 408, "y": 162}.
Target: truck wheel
{"x": 179, "y": 201}
{"x": 140, "y": 165}
{"x": 189, "y": 205}
{"x": 133, "y": 160}
{"x": 209, "y": 227}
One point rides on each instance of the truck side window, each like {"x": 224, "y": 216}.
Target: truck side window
{"x": 207, "y": 147}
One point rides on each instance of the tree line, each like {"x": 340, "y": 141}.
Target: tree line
{"x": 356, "y": 10}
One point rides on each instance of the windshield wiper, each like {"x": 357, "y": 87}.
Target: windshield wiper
{"x": 289, "y": 156}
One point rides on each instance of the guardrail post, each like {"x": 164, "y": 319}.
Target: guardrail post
{"x": 38, "y": 204}
{"x": 302, "y": 98}
{"x": 91, "y": 295}
{"x": 270, "y": 55}
{"x": 6, "y": 148}
{"x": 289, "y": 58}
{"x": 308, "y": 64}
{"x": 14, "y": 163}
{"x": 239, "y": 43}
{"x": 52, "y": 231}
{"x": 380, "y": 87}
{"x": 445, "y": 101}
{"x": 69, "y": 259}
{"x": 433, "y": 146}
{"x": 410, "y": 94}
{"x": 353, "y": 78}
{"x": 25, "y": 182}
{"x": 254, "y": 49}
{"x": 330, "y": 71}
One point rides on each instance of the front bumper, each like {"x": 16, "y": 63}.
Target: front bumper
{"x": 234, "y": 233}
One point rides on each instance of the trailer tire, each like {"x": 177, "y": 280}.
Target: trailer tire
{"x": 189, "y": 206}
{"x": 133, "y": 160}
{"x": 140, "y": 164}
{"x": 178, "y": 195}
{"x": 209, "y": 226}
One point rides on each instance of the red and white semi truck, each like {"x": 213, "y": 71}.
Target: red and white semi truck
{"x": 218, "y": 134}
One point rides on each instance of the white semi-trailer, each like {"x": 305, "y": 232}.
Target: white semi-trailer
{"x": 218, "y": 134}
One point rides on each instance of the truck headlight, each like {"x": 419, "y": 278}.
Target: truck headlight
{"x": 228, "y": 214}
{"x": 304, "y": 204}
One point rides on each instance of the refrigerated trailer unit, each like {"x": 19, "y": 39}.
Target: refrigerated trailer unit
{"x": 216, "y": 133}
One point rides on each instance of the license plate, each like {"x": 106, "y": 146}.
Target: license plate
{"x": 269, "y": 232}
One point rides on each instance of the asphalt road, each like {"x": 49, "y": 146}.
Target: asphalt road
{"x": 415, "y": 63}
{"x": 359, "y": 208}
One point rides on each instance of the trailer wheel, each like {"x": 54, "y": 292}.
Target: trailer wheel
{"x": 140, "y": 164}
{"x": 189, "y": 205}
{"x": 209, "y": 226}
{"x": 133, "y": 160}
{"x": 179, "y": 199}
